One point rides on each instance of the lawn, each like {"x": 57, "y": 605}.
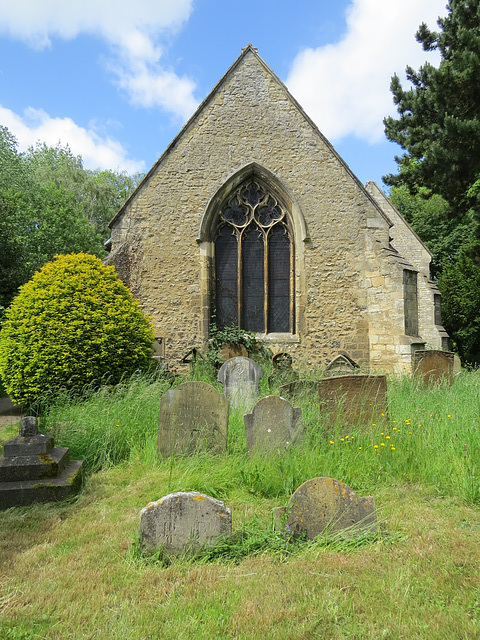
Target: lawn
{"x": 73, "y": 570}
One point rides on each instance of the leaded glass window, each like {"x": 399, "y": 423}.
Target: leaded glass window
{"x": 254, "y": 262}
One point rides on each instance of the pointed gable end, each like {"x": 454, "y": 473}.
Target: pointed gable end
{"x": 251, "y": 219}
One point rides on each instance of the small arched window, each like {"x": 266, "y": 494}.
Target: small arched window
{"x": 254, "y": 262}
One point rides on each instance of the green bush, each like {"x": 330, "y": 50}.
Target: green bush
{"x": 72, "y": 324}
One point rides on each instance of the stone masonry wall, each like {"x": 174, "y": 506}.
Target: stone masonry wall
{"x": 409, "y": 245}
{"x": 347, "y": 284}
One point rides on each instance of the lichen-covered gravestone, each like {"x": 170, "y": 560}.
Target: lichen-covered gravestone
{"x": 434, "y": 366}
{"x": 32, "y": 469}
{"x": 273, "y": 425}
{"x": 182, "y": 521}
{"x": 326, "y": 505}
{"x": 193, "y": 417}
{"x": 359, "y": 398}
{"x": 240, "y": 378}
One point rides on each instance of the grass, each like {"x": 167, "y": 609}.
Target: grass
{"x": 73, "y": 571}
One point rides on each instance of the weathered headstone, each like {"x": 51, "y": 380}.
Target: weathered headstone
{"x": 273, "y": 425}
{"x": 326, "y": 504}
{"x": 32, "y": 469}
{"x": 457, "y": 364}
{"x": 182, "y": 521}
{"x": 341, "y": 364}
{"x": 358, "y": 398}
{"x": 300, "y": 388}
{"x": 240, "y": 378}
{"x": 193, "y": 417}
{"x": 283, "y": 372}
{"x": 232, "y": 350}
{"x": 434, "y": 366}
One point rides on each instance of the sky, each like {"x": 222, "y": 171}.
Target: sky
{"x": 117, "y": 79}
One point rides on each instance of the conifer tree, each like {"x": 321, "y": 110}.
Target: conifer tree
{"x": 439, "y": 116}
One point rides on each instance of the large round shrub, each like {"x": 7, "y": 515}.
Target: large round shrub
{"x": 72, "y": 324}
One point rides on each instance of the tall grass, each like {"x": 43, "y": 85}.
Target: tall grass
{"x": 431, "y": 436}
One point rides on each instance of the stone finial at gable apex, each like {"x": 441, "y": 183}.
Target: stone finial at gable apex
{"x": 250, "y": 46}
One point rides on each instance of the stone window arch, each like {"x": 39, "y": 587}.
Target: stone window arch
{"x": 254, "y": 261}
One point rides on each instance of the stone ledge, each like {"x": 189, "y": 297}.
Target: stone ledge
{"x": 36, "y": 467}
{"x": 23, "y": 493}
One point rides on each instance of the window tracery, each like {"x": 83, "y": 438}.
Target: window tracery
{"x": 254, "y": 262}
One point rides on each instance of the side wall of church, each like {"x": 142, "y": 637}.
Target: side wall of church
{"x": 345, "y": 281}
{"x": 407, "y": 243}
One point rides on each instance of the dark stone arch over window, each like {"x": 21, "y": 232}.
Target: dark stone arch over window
{"x": 254, "y": 261}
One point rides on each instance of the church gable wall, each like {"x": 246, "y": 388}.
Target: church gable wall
{"x": 250, "y": 118}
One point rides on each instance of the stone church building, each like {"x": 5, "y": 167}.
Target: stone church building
{"x": 250, "y": 217}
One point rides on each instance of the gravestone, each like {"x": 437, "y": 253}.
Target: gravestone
{"x": 300, "y": 388}
{"x": 358, "y": 398}
{"x": 193, "y": 417}
{"x": 240, "y": 378}
{"x": 434, "y": 366}
{"x": 182, "y": 521}
{"x": 457, "y": 364}
{"x": 273, "y": 424}
{"x": 326, "y": 505}
{"x": 341, "y": 364}
{"x": 283, "y": 372}
{"x": 32, "y": 469}
{"x": 231, "y": 350}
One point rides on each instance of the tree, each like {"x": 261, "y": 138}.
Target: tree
{"x": 100, "y": 194}
{"x": 50, "y": 204}
{"x": 439, "y": 116}
{"x": 438, "y": 183}
{"x": 72, "y": 324}
{"x": 430, "y": 216}
{"x": 459, "y": 283}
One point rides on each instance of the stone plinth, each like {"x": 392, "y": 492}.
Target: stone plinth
{"x": 32, "y": 469}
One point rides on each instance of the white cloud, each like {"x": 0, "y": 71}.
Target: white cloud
{"x": 345, "y": 87}
{"x": 132, "y": 29}
{"x": 97, "y": 152}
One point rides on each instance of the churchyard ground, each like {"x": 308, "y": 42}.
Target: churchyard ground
{"x": 72, "y": 570}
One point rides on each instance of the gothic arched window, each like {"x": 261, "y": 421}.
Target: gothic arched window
{"x": 254, "y": 262}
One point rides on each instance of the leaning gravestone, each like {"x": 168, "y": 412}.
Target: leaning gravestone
{"x": 283, "y": 372}
{"x": 300, "y": 388}
{"x": 240, "y": 378}
{"x": 32, "y": 469}
{"x": 273, "y": 424}
{"x": 326, "y": 504}
{"x": 434, "y": 366}
{"x": 358, "y": 397}
{"x": 193, "y": 417}
{"x": 182, "y": 521}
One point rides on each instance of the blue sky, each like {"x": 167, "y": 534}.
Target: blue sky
{"x": 117, "y": 79}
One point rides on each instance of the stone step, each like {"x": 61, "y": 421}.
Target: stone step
{"x": 34, "y": 467}
{"x": 28, "y": 445}
{"x": 22, "y": 493}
